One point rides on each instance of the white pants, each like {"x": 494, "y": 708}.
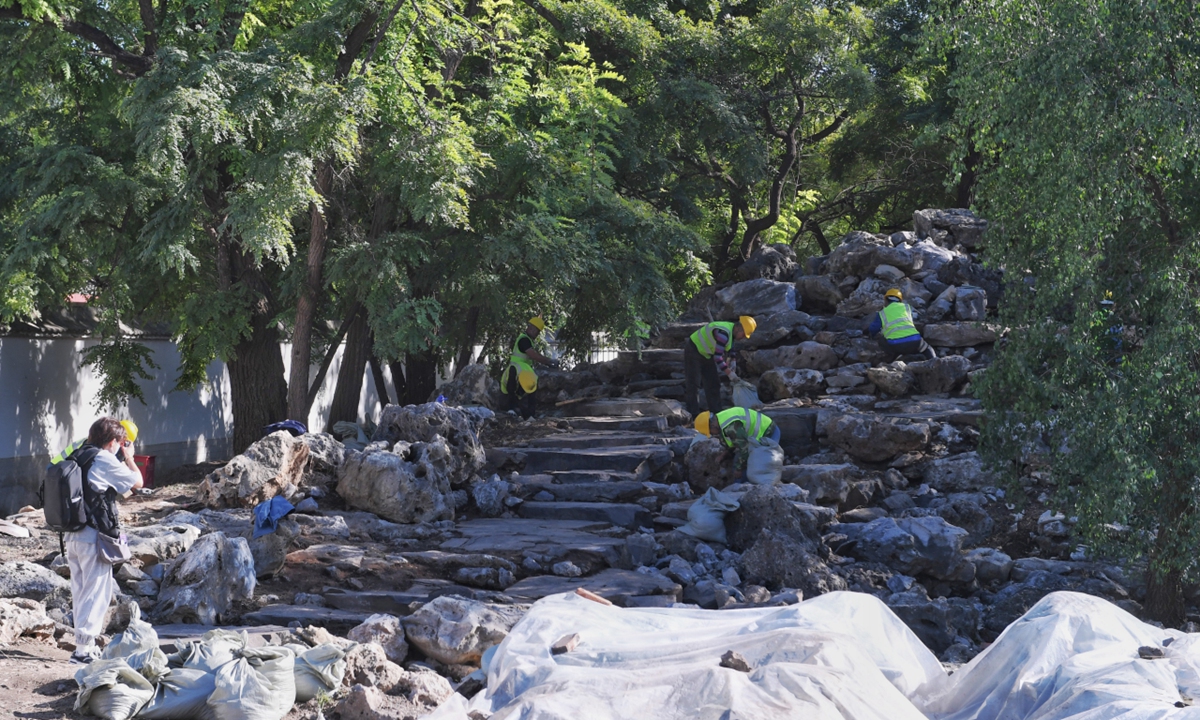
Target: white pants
{"x": 92, "y": 585}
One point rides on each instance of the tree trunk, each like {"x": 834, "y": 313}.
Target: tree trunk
{"x": 380, "y": 382}
{"x": 1164, "y": 580}
{"x": 398, "y": 380}
{"x": 306, "y": 306}
{"x": 350, "y": 376}
{"x": 421, "y": 379}
{"x": 256, "y": 387}
{"x": 468, "y": 347}
{"x": 966, "y": 181}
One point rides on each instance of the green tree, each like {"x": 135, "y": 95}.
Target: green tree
{"x": 1085, "y": 116}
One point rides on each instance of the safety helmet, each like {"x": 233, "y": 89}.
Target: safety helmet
{"x": 702, "y": 423}
{"x": 748, "y": 324}
{"x": 528, "y": 380}
{"x": 893, "y": 293}
{"x": 538, "y": 322}
{"x": 131, "y": 430}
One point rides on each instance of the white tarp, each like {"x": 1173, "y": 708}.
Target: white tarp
{"x": 838, "y": 656}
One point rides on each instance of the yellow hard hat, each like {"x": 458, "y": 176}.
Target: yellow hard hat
{"x": 528, "y": 380}
{"x": 748, "y": 324}
{"x": 702, "y": 423}
{"x": 538, "y": 322}
{"x": 131, "y": 430}
{"x": 893, "y": 293}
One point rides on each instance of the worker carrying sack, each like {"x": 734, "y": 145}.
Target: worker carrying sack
{"x": 745, "y": 394}
{"x": 764, "y": 464}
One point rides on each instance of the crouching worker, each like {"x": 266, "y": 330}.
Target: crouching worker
{"x": 735, "y": 428}
{"x": 704, "y": 356}
{"x": 897, "y": 333}
{"x": 104, "y": 478}
{"x": 519, "y": 381}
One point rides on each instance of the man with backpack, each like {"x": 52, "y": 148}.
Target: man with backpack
{"x": 79, "y": 496}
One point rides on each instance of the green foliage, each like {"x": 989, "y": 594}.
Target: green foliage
{"x": 119, "y": 363}
{"x": 1085, "y": 112}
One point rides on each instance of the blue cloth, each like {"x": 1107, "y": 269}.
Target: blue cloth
{"x": 268, "y": 513}
{"x": 295, "y": 427}
{"x": 774, "y": 434}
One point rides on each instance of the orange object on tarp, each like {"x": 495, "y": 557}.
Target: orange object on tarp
{"x": 145, "y": 463}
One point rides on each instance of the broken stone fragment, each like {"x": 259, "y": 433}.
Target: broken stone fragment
{"x": 735, "y": 661}
{"x": 454, "y": 630}
{"x": 385, "y": 631}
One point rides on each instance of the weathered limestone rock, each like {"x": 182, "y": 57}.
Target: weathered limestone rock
{"x": 860, "y": 253}
{"x": 962, "y": 227}
{"x": 758, "y": 298}
{"x": 387, "y": 632}
{"x": 325, "y": 458}
{"x": 489, "y": 496}
{"x": 875, "y": 439}
{"x": 22, "y": 616}
{"x": 28, "y": 580}
{"x": 369, "y": 703}
{"x": 933, "y": 256}
{"x": 778, "y": 560}
{"x": 411, "y": 485}
{"x": 990, "y": 564}
{"x": 269, "y": 551}
{"x": 455, "y": 631}
{"x": 703, "y": 468}
{"x": 778, "y": 327}
{"x": 764, "y": 509}
{"x": 957, "y": 473}
{"x": 938, "y": 623}
{"x": 473, "y": 385}
{"x": 271, "y": 466}
{"x": 894, "y": 379}
{"x": 807, "y": 355}
{"x": 152, "y": 544}
{"x": 966, "y": 510}
{"x": 913, "y": 546}
{"x": 784, "y": 383}
{"x": 770, "y": 262}
{"x": 203, "y": 584}
{"x": 818, "y": 293}
{"x": 970, "y": 303}
{"x": 828, "y": 484}
{"x": 424, "y": 423}
{"x": 959, "y": 334}
{"x": 367, "y": 665}
{"x": 943, "y": 375}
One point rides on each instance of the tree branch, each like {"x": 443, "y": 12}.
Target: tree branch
{"x": 108, "y": 47}
{"x": 150, "y": 41}
{"x": 831, "y": 129}
{"x": 354, "y": 43}
{"x": 546, "y": 15}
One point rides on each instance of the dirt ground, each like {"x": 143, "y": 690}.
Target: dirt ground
{"x": 36, "y": 681}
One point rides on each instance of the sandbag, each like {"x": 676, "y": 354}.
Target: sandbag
{"x": 319, "y": 670}
{"x": 764, "y": 465}
{"x": 215, "y": 649}
{"x": 182, "y": 694}
{"x": 259, "y": 685}
{"x": 138, "y": 646}
{"x": 706, "y": 516}
{"x": 111, "y": 690}
{"x": 745, "y": 394}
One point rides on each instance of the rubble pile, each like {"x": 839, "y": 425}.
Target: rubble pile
{"x": 417, "y": 553}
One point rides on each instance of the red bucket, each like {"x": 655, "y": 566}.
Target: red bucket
{"x": 145, "y": 463}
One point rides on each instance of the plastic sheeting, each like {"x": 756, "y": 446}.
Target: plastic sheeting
{"x": 838, "y": 656}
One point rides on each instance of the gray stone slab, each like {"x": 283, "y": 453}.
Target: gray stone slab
{"x": 797, "y": 429}
{"x": 617, "y": 586}
{"x": 642, "y": 460}
{"x": 596, "y": 492}
{"x": 956, "y": 411}
{"x": 649, "y": 424}
{"x": 392, "y": 602}
{"x": 332, "y": 619}
{"x": 598, "y": 439}
{"x": 633, "y": 407}
{"x": 623, "y": 514}
{"x": 552, "y": 538}
{"x": 564, "y": 477}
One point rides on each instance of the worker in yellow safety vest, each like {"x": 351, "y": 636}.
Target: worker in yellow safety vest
{"x": 897, "y": 333}
{"x": 735, "y": 428}
{"x": 131, "y": 433}
{"x": 519, "y": 381}
{"x": 704, "y": 356}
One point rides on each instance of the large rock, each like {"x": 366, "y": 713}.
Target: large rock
{"x": 941, "y": 375}
{"x": 959, "y": 334}
{"x": 826, "y": 484}
{"x": 473, "y": 385}
{"x": 757, "y": 298}
{"x": 455, "y": 631}
{"x": 933, "y": 256}
{"x": 425, "y": 423}
{"x": 966, "y": 510}
{"x": 860, "y": 253}
{"x": 784, "y": 383}
{"x": 387, "y": 632}
{"x": 957, "y": 473}
{"x": 868, "y": 298}
{"x": 203, "y": 585}
{"x": 28, "y": 580}
{"x": 770, "y": 262}
{"x": 367, "y": 665}
{"x": 895, "y": 379}
{"x": 325, "y": 458}
{"x": 152, "y": 544}
{"x": 552, "y": 382}
{"x": 961, "y": 271}
{"x": 411, "y": 485}
{"x": 778, "y": 560}
{"x": 271, "y": 466}
{"x": 808, "y": 355}
{"x": 875, "y": 439}
{"x": 818, "y": 293}
{"x": 704, "y": 468}
{"x": 938, "y": 623}
{"x": 961, "y": 226}
{"x": 970, "y": 303}
{"x": 990, "y": 564}
{"x": 22, "y": 616}
{"x": 269, "y": 551}
{"x": 776, "y": 328}
{"x": 914, "y": 546}
{"x": 764, "y": 509}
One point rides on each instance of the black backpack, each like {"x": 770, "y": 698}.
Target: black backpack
{"x": 63, "y": 493}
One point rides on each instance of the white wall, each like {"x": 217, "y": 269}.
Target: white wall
{"x": 47, "y": 400}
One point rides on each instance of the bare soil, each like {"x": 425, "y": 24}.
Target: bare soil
{"x": 37, "y": 681}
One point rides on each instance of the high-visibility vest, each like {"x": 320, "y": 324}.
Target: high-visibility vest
{"x": 519, "y": 360}
{"x": 897, "y": 321}
{"x": 706, "y": 343}
{"x": 68, "y": 451}
{"x": 757, "y": 425}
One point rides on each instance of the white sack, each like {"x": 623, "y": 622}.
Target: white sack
{"x": 259, "y": 685}
{"x": 318, "y": 670}
{"x": 111, "y": 690}
{"x": 137, "y": 645}
{"x": 181, "y": 695}
{"x": 215, "y": 649}
{"x": 745, "y": 394}
{"x": 706, "y": 516}
{"x": 764, "y": 465}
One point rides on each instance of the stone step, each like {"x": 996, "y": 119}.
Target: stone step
{"x": 621, "y": 587}
{"x": 625, "y": 515}
{"x": 956, "y": 411}
{"x": 599, "y": 439}
{"x": 392, "y": 602}
{"x": 595, "y": 492}
{"x": 339, "y": 622}
{"x": 624, "y": 407}
{"x": 642, "y": 460}
{"x": 551, "y": 538}
{"x": 652, "y": 384}
{"x": 797, "y": 429}
{"x": 652, "y": 424}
